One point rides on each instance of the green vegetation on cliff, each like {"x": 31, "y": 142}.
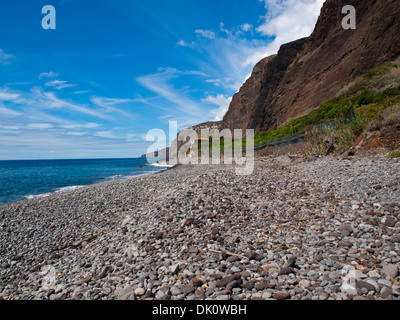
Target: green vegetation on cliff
{"x": 369, "y": 95}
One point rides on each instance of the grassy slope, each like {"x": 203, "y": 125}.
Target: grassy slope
{"x": 369, "y": 96}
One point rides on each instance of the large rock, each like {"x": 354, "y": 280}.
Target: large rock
{"x": 281, "y": 295}
{"x": 390, "y": 270}
{"x": 228, "y": 279}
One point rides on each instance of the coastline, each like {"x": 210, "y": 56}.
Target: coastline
{"x": 156, "y": 168}
{"x": 200, "y": 232}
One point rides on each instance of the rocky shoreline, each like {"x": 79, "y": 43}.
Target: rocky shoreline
{"x": 326, "y": 229}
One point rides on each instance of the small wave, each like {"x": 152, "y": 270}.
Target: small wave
{"x": 116, "y": 177}
{"x": 37, "y": 196}
{"x": 67, "y": 189}
{"x": 59, "y": 190}
{"x": 161, "y": 165}
{"x": 136, "y": 175}
{"x": 112, "y": 178}
{"x": 127, "y": 176}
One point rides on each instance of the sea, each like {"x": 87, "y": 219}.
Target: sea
{"x": 30, "y": 179}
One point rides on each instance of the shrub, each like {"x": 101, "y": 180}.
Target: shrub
{"x": 328, "y": 140}
{"x": 345, "y": 137}
{"x": 317, "y": 142}
{"x": 394, "y": 155}
{"x": 387, "y": 117}
{"x": 358, "y": 124}
{"x": 337, "y": 138}
{"x": 382, "y": 69}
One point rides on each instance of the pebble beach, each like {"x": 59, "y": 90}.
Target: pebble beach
{"x": 323, "y": 229}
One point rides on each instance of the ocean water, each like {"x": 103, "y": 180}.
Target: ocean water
{"x": 29, "y": 179}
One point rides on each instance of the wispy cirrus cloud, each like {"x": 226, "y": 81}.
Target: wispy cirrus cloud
{"x": 45, "y": 143}
{"x": 9, "y": 97}
{"x": 161, "y": 83}
{"x": 59, "y": 84}
{"x": 110, "y": 105}
{"x": 5, "y": 95}
{"x": 50, "y": 74}
{"x": 40, "y": 112}
{"x": 8, "y": 112}
{"x": 40, "y": 126}
{"x": 57, "y": 126}
{"x": 90, "y": 125}
{"x": 225, "y": 59}
{"x": 108, "y": 134}
{"x": 47, "y": 124}
{"x": 5, "y": 58}
{"x": 50, "y": 101}
{"x": 37, "y": 102}
{"x": 224, "y": 54}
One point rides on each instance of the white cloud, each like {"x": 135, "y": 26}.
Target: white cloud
{"x": 8, "y": 112}
{"x": 275, "y": 7}
{"x": 131, "y": 137}
{"x": 183, "y": 43}
{"x": 40, "y": 126}
{"x": 225, "y": 58}
{"x": 76, "y": 133}
{"x": 49, "y": 100}
{"x": 109, "y": 105}
{"x": 6, "y": 96}
{"x": 160, "y": 83}
{"x": 208, "y": 34}
{"x": 227, "y": 83}
{"x": 89, "y": 125}
{"x": 246, "y": 27}
{"x": 5, "y": 58}
{"x": 220, "y": 100}
{"x": 107, "y": 102}
{"x": 59, "y": 84}
{"x": 109, "y": 134}
{"x": 284, "y": 22}
{"x": 50, "y": 74}
{"x": 216, "y": 82}
{"x": 39, "y": 142}
{"x": 9, "y": 127}
{"x": 81, "y": 92}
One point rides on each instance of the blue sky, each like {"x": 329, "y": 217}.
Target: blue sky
{"x": 112, "y": 71}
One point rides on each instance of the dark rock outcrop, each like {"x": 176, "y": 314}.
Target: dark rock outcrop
{"x": 307, "y": 72}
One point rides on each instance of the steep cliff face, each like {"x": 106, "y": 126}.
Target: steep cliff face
{"x": 309, "y": 71}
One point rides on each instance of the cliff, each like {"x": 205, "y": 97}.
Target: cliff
{"x": 309, "y": 71}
